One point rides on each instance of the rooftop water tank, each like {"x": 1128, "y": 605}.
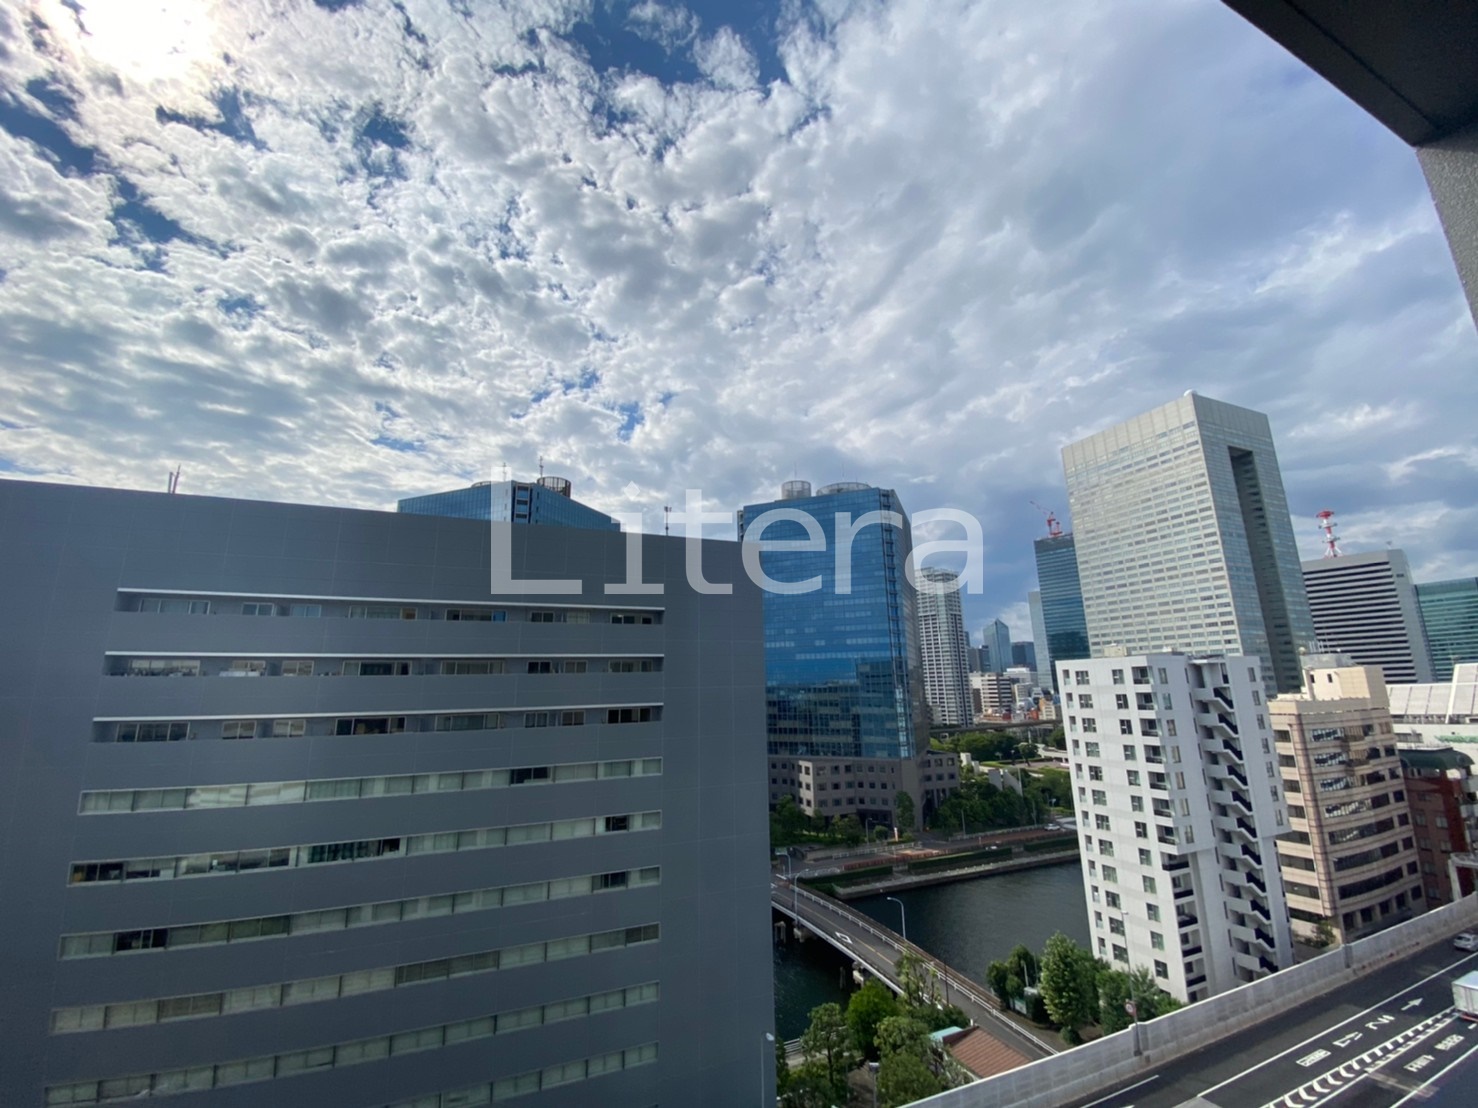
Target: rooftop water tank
{"x": 795, "y": 490}
{"x": 560, "y": 485}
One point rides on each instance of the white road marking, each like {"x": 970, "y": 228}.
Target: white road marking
{"x": 1312, "y": 1059}
{"x": 1455, "y": 1062}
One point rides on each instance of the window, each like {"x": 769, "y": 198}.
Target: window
{"x": 1149, "y": 883}
{"x": 1117, "y": 676}
{"x": 1106, "y": 848}
{"x": 1132, "y": 776}
{"x": 369, "y": 725}
{"x": 1145, "y": 857}
{"x": 1085, "y": 700}
{"x": 1121, "y": 700}
{"x": 1090, "y": 725}
{"x": 478, "y": 668}
{"x": 156, "y": 732}
{"x": 1129, "y": 752}
{"x": 1152, "y": 911}
{"x": 163, "y": 667}
{"x": 632, "y": 617}
{"x": 380, "y": 611}
{"x": 289, "y": 728}
{"x": 1091, "y": 750}
{"x": 1111, "y": 875}
{"x": 174, "y": 606}
{"x": 1162, "y": 970}
{"x": 259, "y": 609}
{"x": 377, "y": 668}
{"x": 1126, "y": 727}
{"x": 1170, "y": 728}
{"x": 309, "y": 611}
{"x": 239, "y": 729}
{"x": 1101, "y": 822}
{"x": 469, "y": 721}
{"x": 1080, "y": 677}
{"x": 637, "y": 665}
{"x": 1136, "y": 803}
{"x": 1095, "y": 773}
{"x": 1100, "y": 797}
{"x": 297, "y": 669}
{"x": 1141, "y": 831}
{"x": 631, "y": 715}
{"x": 477, "y": 615}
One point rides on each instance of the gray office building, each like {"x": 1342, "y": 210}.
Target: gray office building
{"x": 299, "y": 812}
{"x": 1183, "y": 538}
{"x": 1365, "y": 605}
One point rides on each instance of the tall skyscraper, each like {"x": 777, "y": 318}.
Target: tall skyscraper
{"x": 1365, "y": 605}
{"x": 1183, "y": 537}
{"x": 847, "y": 721}
{"x": 293, "y": 800}
{"x": 547, "y": 500}
{"x": 1179, "y": 809}
{"x": 1024, "y": 654}
{"x": 1450, "y": 616}
{"x": 1039, "y": 631}
{"x": 943, "y": 645}
{"x": 1064, "y": 627}
{"x": 1349, "y": 859}
{"x": 995, "y": 641}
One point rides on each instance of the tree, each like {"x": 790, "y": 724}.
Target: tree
{"x": 905, "y": 1078}
{"x": 788, "y": 823}
{"x": 915, "y": 981}
{"x": 809, "y": 1087}
{"x": 1002, "y": 982}
{"x": 1116, "y": 989}
{"x": 870, "y": 1006}
{"x": 848, "y": 829}
{"x": 1069, "y": 984}
{"x": 906, "y": 1071}
{"x": 782, "y": 1067}
{"x": 828, "y": 1043}
{"x": 904, "y": 811}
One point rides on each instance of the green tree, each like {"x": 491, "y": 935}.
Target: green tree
{"x": 828, "y": 1043}
{"x": 1117, "y": 989}
{"x": 1058, "y": 738}
{"x": 788, "y": 824}
{"x": 915, "y": 981}
{"x": 870, "y": 1006}
{"x": 810, "y": 1087}
{"x": 904, "y": 810}
{"x": 1023, "y": 963}
{"x": 1002, "y": 982}
{"x": 1069, "y": 984}
{"x": 782, "y": 1067}
{"x": 848, "y": 829}
{"x": 904, "y": 1078}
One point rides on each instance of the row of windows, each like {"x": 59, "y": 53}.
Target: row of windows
{"x": 229, "y": 1002}
{"x": 271, "y": 1067}
{"x": 355, "y": 788}
{"x": 155, "y": 731}
{"x": 289, "y": 857}
{"x": 103, "y": 943}
{"x": 375, "y": 667}
{"x": 173, "y": 605}
{"x": 548, "y": 1078}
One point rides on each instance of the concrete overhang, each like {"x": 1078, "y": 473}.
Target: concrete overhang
{"x": 1412, "y": 64}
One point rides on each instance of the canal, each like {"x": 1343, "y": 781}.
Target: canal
{"x": 968, "y": 924}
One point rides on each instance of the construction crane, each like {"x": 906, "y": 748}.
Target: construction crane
{"x": 1054, "y": 529}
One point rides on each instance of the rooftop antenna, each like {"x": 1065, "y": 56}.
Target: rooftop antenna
{"x": 1331, "y": 545}
{"x": 1054, "y": 529}
{"x": 541, "y": 466}
{"x": 667, "y": 519}
{"x": 505, "y": 471}
{"x": 174, "y": 482}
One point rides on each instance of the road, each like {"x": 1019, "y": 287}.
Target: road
{"x": 862, "y": 939}
{"x": 1391, "y": 1038}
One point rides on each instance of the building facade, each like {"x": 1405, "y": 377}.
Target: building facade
{"x": 1442, "y": 792}
{"x": 992, "y": 696}
{"x": 1365, "y": 605}
{"x": 1441, "y": 711}
{"x": 1349, "y": 859}
{"x": 847, "y": 721}
{"x": 1450, "y": 617}
{"x": 1064, "y": 628}
{"x": 944, "y": 647}
{"x": 995, "y": 646}
{"x": 1179, "y": 805}
{"x": 547, "y": 500}
{"x": 1183, "y": 538}
{"x": 1024, "y": 654}
{"x": 300, "y": 813}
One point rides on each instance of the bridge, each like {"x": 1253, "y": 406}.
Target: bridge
{"x": 877, "y": 949}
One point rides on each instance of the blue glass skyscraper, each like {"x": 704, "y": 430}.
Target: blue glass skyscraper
{"x": 843, "y": 675}
{"x": 1062, "y": 600}
{"x": 546, "y": 501}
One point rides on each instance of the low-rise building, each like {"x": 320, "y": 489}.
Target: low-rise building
{"x": 1442, "y": 791}
{"x": 1349, "y": 860}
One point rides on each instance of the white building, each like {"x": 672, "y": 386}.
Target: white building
{"x": 1183, "y": 539}
{"x": 1365, "y": 605}
{"x": 945, "y": 647}
{"x": 1179, "y": 804}
{"x": 1443, "y": 711}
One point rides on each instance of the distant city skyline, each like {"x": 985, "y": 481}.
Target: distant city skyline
{"x": 713, "y": 246}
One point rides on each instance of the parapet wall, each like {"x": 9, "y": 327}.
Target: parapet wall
{"x": 1093, "y": 1067}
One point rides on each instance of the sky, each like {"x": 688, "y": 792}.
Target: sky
{"x": 341, "y": 252}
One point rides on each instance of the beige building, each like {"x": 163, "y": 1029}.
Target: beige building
{"x": 1350, "y": 855}
{"x": 865, "y": 787}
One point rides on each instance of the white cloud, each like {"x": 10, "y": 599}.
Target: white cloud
{"x": 954, "y": 237}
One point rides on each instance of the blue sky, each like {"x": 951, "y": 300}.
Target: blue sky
{"x": 343, "y": 252}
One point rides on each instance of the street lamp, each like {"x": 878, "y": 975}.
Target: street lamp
{"x": 767, "y": 1047}
{"x": 902, "y": 916}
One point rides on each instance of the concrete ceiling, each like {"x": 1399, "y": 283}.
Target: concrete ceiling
{"x": 1413, "y": 64}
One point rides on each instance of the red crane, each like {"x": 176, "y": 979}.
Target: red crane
{"x": 1054, "y": 529}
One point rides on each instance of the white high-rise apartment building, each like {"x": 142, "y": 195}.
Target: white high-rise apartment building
{"x": 1183, "y": 537}
{"x": 1179, "y": 803}
{"x": 945, "y": 646}
{"x": 1365, "y": 605}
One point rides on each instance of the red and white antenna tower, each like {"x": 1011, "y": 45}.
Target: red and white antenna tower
{"x": 1054, "y": 529}
{"x": 1331, "y": 545}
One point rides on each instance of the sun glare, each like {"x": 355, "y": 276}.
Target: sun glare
{"x": 148, "y": 40}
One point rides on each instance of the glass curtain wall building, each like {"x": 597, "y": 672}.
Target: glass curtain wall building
{"x": 1183, "y": 538}
{"x": 547, "y": 500}
{"x": 1450, "y": 614}
{"x": 1060, "y": 601}
{"x": 843, "y": 669}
